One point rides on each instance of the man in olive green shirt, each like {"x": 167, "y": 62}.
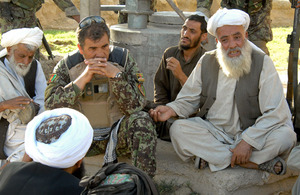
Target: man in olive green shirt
{"x": 177, "y": 63}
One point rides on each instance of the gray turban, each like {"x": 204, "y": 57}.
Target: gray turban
{"x": 227, "y": 17}
{"x": 58, "y": 138}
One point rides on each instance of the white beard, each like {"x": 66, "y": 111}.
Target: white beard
{"x": 235, "y": 67}
{"x": 20, "y": 68}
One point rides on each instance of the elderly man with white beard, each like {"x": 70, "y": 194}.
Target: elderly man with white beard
{"x": 22, "y": 86}
{"x": 243, "y": 118}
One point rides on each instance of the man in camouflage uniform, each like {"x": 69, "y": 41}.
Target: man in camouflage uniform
{"x": 21, "y": 13}
{"x": 96, "y": 59}
{"x": 259, "y": 31}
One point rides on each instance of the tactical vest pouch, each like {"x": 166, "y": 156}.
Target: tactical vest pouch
{"x": 93, "y": 103}
{"x": 98, "y": 102}
{"x": 28, "y": 4}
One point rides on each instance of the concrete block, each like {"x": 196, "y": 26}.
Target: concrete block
{"x": 231, "y": 181}
{"x": 147, "y": 47}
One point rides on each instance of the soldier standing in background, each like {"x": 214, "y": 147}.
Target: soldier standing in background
{"x": 259, "y": 31}
{"x": 21, "y": 13}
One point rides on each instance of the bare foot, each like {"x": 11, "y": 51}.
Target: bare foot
{"x": 200, "y": 163}
{"x": 278, "y": 167}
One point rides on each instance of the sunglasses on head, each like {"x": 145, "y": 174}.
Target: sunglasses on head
{"x": 87, "y": 21}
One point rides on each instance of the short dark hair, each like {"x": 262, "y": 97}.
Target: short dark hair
{"x": 200, "y": 19}
{"x": 95, "y": 31}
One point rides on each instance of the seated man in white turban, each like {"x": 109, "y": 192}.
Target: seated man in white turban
{"x": 243, "y": 118}
{"x": 22, "y": 86}
{"x": 56, "y": 141}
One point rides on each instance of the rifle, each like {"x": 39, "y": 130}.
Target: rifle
{"x": 45, "y": 42}
{"x": 176, "y": 9}
{"x": 292, "y": 85}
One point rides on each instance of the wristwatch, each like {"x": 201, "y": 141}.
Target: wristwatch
{"x": 118, "y": 75}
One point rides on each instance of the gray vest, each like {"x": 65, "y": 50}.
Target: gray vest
{"x": 246, "y": 91}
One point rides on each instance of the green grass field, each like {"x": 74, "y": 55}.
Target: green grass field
{"x": 279, "y": 48}
{"x": 60, "y": 42}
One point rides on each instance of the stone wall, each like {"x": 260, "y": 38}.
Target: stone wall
{"x": 52, "y": 17}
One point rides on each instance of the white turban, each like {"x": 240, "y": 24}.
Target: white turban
{"x": 227, "y": 17}
{"x": 30, "y": 36}
{"x": 65, "y": 147}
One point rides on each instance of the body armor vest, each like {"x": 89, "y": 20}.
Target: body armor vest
{"x": 98, "y": 102}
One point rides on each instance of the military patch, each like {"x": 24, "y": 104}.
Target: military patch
{"x": 142, "y": 89}
{"x": 140, "y": 77}
{"x": 52, "y": 78}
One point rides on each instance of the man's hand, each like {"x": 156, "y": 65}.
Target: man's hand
{"x": 15, "y": 103}
{"x": 26, "y": 158}
{"x": 162, "y": 113}
{"x": 98, "y": 66}
{"x": 241, "y": 153}
{"x": 102, "y": 67}
{"x": 174, "y": 65}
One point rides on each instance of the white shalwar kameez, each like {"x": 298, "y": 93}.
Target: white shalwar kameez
{"x": 11, "y": 86}
{"x": 210, "y": 139}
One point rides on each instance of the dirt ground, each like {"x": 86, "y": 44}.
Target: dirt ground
{"x": 282, "y": 14}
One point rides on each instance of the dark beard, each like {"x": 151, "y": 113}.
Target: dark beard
{"x": 192, "y": 45}
{"x": 184, "y": 47}
{"x": 80, "y": 172}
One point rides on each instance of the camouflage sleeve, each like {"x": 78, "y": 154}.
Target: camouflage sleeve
{"x": 129, "y": 89}
{"x": 60, "y": 91}
{"x": 204, "y": 6}
{"x": 67, "y": 6}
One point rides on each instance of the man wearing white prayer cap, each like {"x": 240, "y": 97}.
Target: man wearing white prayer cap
{"x": 242, "y": 115}
{"x": 57, "y": 141}
{"x": 22, "y": 86}
{"x": 259, "y": 11}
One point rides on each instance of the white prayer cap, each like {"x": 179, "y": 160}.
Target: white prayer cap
{"x": 30, "y": 36}
{"x": 227, "y": 17}
{"x": 58, "y": 138}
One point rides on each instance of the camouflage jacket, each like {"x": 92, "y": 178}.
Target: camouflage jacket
{"x": 128, "y": 89}
{"x": 13, "y": 16}
{"x": 258, "y": 10}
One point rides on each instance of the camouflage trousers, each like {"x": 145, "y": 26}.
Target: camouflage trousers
{"x": 136, "y": 137}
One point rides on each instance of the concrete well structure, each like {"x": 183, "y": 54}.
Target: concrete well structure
{"x": 148, "y": 44}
